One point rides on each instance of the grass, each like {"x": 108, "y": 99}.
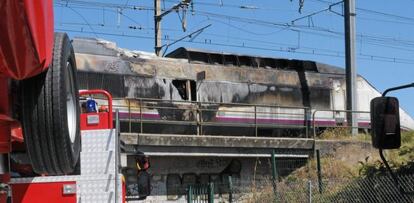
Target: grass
{"x": 262, "y": 193}
{"x": 342, "y": 134}
{"x": 401, "y": 160}
{"x": 342, "y": 179}
{"x": 331, "y": 168}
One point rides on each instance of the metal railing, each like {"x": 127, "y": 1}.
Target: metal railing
{"x": 339, "y": 119}
{"x": 208, "y": 115}
{"x": 212, "y": 114}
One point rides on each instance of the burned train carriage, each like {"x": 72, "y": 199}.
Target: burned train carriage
{"x": 197, "y": 92}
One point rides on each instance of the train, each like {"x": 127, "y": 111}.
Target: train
{"x": 191, "y": 91}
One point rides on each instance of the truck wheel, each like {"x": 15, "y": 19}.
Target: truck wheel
{"x": 50, "y": 113}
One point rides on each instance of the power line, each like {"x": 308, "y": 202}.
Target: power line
{"x": 386, "y": 14}
{"x": 375, "y": 12}
{"x": 237, "y": 6}
{"x": 386, "y": 21}
{"x": 304, "y": 29}
{"x": 244, "y": 40}
{"x": 287, "y": 50}
{"x": 298, "y": 28}
{"x": 374, "y": 40}
{"x": 368, "y": 39}
{"x": 116, "y": 12}
{"x": 84, "y": 19}
{"x": 329, "y": 8}
{"x": 95, "y": 4}
{"x": 291, "y": 46}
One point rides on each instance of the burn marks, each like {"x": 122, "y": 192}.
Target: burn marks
{"x": 142, "y": 87}
{"x": 226, "y": 92}
{"x": 114, "y": 83}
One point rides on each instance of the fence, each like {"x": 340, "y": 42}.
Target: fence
{"x": 347, "y": 189}
{"x": 209, "y": 118}
{"x": 378, "y": 189}
{"x": 205, "y": 117}
{"x": 315, "y": 181}
{"x": 294, "y": 183}
{"x": 342, "y": 177}
{"x": 200, "y": 193}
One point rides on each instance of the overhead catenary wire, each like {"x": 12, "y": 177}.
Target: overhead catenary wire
{"x": 100, "y": 5}
{"x": 383, "y": 41}
{"x": 375, "y": 12}
{"x": 314, "y": 52}
{"x": 373, "y": 40}
{"x": 329, "y": 8}
{"x": 237, "y": 6}
{"x": 113, "y": 11}
{"x": 287, "y": 26}
{"x": 86, "y": 21}
{"x": 367, "y": 39}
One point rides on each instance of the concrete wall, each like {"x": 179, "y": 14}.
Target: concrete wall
{"x": 170, "y": 176}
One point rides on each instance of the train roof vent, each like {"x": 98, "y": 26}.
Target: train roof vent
{"x": 224, "y": 59}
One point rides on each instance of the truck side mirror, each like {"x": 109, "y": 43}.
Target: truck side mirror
{"x": 385, "y": 123}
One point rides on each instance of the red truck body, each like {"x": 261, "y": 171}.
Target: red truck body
{"x": 26, "y": 46}
{"x": 26, "y": 37}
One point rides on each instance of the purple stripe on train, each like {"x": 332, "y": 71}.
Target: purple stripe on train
{"x": 282, "y": 121}
{"x": 125, "y": 115}
{"x": 301, "y": 122}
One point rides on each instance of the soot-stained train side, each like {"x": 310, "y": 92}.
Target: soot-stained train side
{"x": 226, "y": 93}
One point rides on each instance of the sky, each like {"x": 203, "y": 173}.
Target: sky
{"x": 271, "y": 28}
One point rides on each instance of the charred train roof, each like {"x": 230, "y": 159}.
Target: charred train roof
{"x": 105, "y": 48}
{"x": 222, "y": 58}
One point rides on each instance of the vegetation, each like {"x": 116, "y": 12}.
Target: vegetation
{"x": 261, "y": 193}
{"x": 400, "y": 160}
{"x": 345, "y": 182}
{"x": 342, "y": 134}
{"x": 332, "y": 169}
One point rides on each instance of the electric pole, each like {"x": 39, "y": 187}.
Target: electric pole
{"x": 157, "y": 20}
{"x": 158, "y": 17}
{"x": 350, "y": 69}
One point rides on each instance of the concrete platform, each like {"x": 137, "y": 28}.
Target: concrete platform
{"x": 171, "y": 145}
{"x": 173, "y": 140}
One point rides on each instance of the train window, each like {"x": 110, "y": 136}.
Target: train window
{"x": 181, "y": 86}
{"x": 244, "y": 61}
{"x": 193, "y": 90}
{"x": 195, "y": 57}
{"x": 230, "y": 60}
{"x": 186, "y": 88}
{"x": 320, "y": 98}
{"x": 216, "y": 59}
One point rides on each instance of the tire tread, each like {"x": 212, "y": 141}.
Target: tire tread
{"x": 45, "y": 117}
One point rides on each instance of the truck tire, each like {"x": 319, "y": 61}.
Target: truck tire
{"x": 50, "y": 113}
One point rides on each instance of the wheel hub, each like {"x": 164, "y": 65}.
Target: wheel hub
{"x": 70, "y": 103}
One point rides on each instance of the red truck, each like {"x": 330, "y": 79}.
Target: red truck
{"x": 38, "y": 89}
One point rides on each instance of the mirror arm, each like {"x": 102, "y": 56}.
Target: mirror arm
{"x": 396, "y": 182}
{"x": 394, "y": 177}
{"x": 397, "y": 88}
